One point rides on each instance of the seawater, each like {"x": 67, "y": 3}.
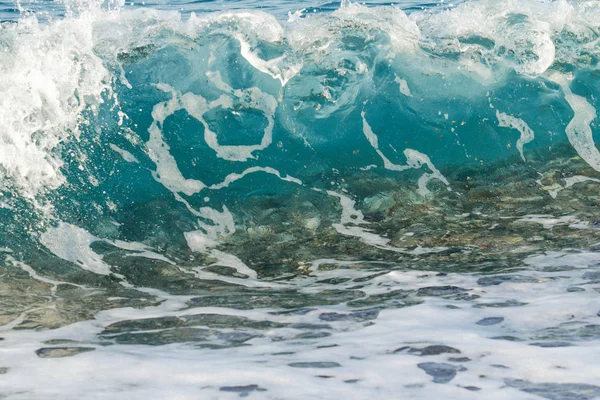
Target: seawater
{"x": 300, "y": 200}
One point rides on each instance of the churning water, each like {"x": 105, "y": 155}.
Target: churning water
{"x": 298, "y": 200}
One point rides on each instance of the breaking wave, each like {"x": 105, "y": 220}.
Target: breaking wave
{"x": 168, "y": 135}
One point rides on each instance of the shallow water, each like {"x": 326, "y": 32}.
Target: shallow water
{"x": 288, "y": 200}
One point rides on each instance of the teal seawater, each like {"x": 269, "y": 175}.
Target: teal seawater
{"x": 178, "y": 107}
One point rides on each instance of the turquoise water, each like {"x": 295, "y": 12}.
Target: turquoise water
{"x": 299, "y": 199}
{"x": 11, "y": 11}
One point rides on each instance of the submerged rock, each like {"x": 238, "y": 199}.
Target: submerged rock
{"x": 551, "y": 344}
{"x": 591, "y": 275}
{"x": 497, "y": 280}
{"x": 287, "y": 299}
{"x": 312, "y": 335}
{"x": 208, "y": 320}
{"x": 440, "y": 291}
{"x": 441, "y": 372}
{"x": 556, "y": 391}
{"x": 490, "y": 321}
{"x": 315, "y": 364}
{"x": 563, "y": 333}
{"x": 459, "y": 359}
{"x": 355, "y": 316}
{"x": 59, "y": 352}
{"x": 433, "y": 350}
{"x": 502, "y": 304}
{"x": 508, "y": 338}
{"x": 184, "y": 335}
{"x": 55, "y": 342}
{"x": 242, "y": 390}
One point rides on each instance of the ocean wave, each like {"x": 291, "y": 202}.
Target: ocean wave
{"x": 108, "y": 109}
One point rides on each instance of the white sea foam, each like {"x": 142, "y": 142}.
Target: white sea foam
{"x": 127, "y": 156}
{"x": 350, "y": 225}
{"x": 197, "y": 106}
{"x": 49, "y": 74}
{"x": 72, "y": 243}
{"x": 403, "y": 86}
{"x": 508, "y": 121}
{"x": 569, "y": 182}
{"x": 549, "y": 221}
{"x": 578, "y": 130}
{"x": 530, "y": 40}
{"x": 381, "y": 366}
{"x": 414, "y": 159}
{"x": 167, "y": 172}
{"x": 234, "y": 177}
{"x": 232, "y": 261}
{"x": 219, "y": 224}
{"x": 573, "y": 180}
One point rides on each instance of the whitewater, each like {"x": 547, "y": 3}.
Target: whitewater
{"x": 277, "y": 200}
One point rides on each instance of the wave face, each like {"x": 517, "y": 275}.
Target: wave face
{"x": 109, "y": 110}
{"x": 239, "y": 160}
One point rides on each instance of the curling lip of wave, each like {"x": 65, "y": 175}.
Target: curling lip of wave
{"x": 52, "y": 73}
